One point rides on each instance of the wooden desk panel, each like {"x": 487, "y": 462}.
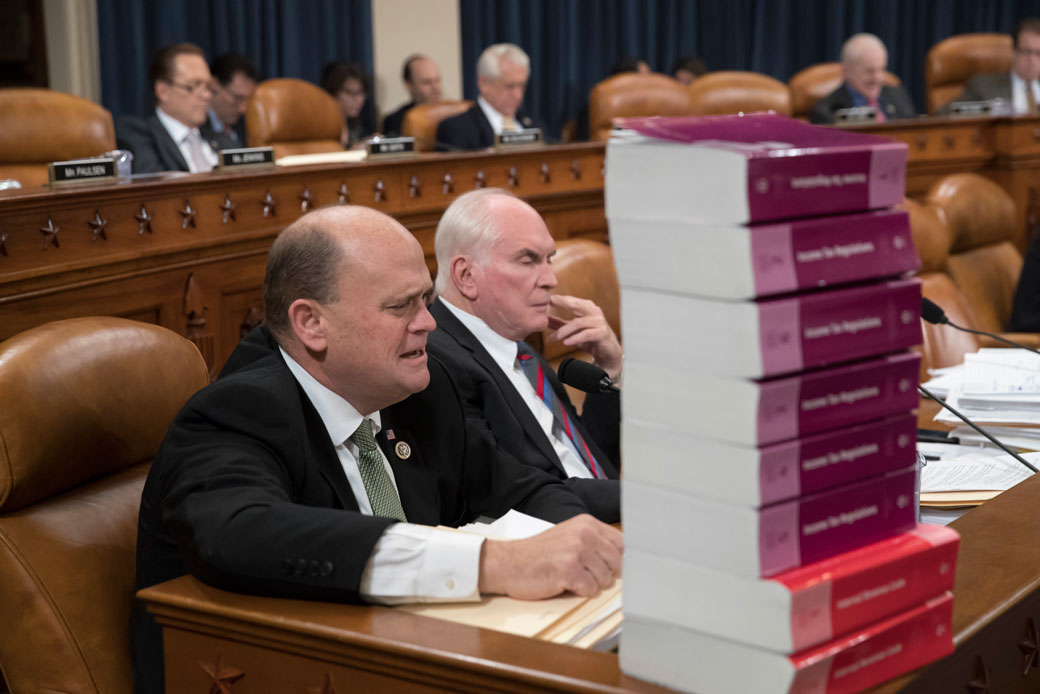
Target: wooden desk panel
{"x": 298, "y": 644}
{"x": 188, "y": 251}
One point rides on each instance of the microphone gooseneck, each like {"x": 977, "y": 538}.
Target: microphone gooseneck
{"x": 927, "y": 393}
{"x": 933, "y": 313}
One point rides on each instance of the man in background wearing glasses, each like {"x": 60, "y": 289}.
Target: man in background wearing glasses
{"x": 232, "y": 83}
{"x": 1018, "y": 87}
{"x": 169, "y": 140}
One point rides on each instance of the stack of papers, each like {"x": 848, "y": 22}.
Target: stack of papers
{"x": 992, "y": 386}
{"x": 970, "y": 476}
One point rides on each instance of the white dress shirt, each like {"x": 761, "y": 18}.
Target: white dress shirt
{"x": 503, "y": 351}
{"x": 496, "y": 119}
{"x": 410, "y": 563}
{"x": 182, "y": 136}
{"x": 1018, "y": 93}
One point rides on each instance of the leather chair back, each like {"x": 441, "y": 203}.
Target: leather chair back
{"x": 293, "y": 117}
{"x": 942, "y": 345}
{"x": 584, "y": 269}
{"x": 88, "y": 402}
{"x": 953, "y": 61}
{"x": 421, "y": 121}
{"x": 633, "y": 94}
{"x": 983, "y": 261}
{"x": 38, "y": 126}
{"x": 817, "y": 81}
{"x": 734, "y": 91}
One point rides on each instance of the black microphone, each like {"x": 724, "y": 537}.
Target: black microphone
{"x": 584, "y": 376}
{"x": 933, "y": 313}
{"x": 924, "y": 391}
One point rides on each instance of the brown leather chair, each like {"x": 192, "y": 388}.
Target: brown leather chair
{"x": 633, "y": 94}
{"x": 983, "y": 261}
{"x": 584, "y": 269}
{"x": 421, "y": 121}
{"x": 953, "y": 61}
{"x": 38, "y": 126}
{"x": 734, "y": 91}
{"x": 943, "y": 345}
{"x": 817, "y": 81}
{"x": 294, "y": 117}
{"x": 87, "y": 402}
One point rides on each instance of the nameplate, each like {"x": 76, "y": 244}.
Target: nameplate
{"x": 382, "y": 147}
{"x": 243, "y": 157}
{"x": 519, "y": 138}
{"x": 81, "y": 171}
{"x": 973, "y": 108}
{"x": 856, "y": 114}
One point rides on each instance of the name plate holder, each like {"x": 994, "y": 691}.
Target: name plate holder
{"x": 390, "y": 147}
{"x": 526, "y": 137}
{"x": 989, "y": 107}
{"x": 81, "y": 171}
{"x": 856, "y": 114}
{"x": 245, "y": 158}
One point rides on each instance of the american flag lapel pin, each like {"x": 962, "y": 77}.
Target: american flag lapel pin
{"x": 389, "y": 434}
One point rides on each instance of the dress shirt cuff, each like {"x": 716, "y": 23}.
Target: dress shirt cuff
{"x": 417, "y": 563}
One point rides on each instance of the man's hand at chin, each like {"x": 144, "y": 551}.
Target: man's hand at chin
{"x": 587, "y": 330}
{"x": 580, "y": 555}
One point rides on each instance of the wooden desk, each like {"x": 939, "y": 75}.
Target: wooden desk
{"x": 1005, "y": 149}
{"x": 188, "y": 251}
{"x": 285, "y": 645}
{"x": 298, "y": 646}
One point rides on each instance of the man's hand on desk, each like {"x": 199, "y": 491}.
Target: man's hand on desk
{"x": 588, "y": 330}
{"x": 581, "y": 555}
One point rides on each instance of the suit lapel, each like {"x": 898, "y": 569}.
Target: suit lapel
{"x": 487, "y": 132}
{"x": 168, "y": 149}
{"x": 410, "y": 473}
{"x": 323, "y": 451}
{"x": 447, "y": 322}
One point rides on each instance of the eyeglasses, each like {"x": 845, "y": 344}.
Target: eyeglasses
{"x": 352, "y": 92}
{"x": 1028, "y": 53}
{"x": 193, "y": 88}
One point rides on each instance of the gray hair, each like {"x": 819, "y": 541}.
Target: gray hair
{"x": 853, "y": 48}
{"x": 467, "y": 228}
{"x": 488, "y": 63}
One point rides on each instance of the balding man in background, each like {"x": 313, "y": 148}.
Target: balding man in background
{"x": 863, "y": 62}
{"x": 316, "y": 466}
{"x": 494, "y": 287}
{"x": 422, "y": 79}
{"x": 502, "y": 73}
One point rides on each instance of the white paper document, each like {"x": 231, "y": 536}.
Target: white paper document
{"x": 977, "y": 471}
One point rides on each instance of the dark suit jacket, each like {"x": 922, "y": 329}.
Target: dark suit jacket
{"x": 224, "y": 140}
{"x": 247, "y": 492}
{"x": 471, "y": 130}
{"x": 1025, "y": 310}
{"x": 489, "y": 395}
{"x": 392, "y": 123}
{"x": 154, "y": 150}
{"x": 991, "y": 85}
{"x": 895, "y": 102}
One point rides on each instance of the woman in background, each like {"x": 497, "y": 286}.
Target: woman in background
{"x": 348, "y": 84}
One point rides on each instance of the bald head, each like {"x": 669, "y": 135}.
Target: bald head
{"x": 863, "y": 62}
{"x": 310, "y": 256}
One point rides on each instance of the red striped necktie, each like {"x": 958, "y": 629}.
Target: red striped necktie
{"x": 532, "y": 368}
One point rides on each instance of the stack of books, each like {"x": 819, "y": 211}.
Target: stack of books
{"x": 769, "y": 458}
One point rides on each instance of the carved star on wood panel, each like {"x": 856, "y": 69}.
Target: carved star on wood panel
{"x": 187, "y": 215}
{"x": 228, "y": 208}
{"x": 97, "y": 227}
{"x": 544, "y": 174}
{"x": 414, "y": 188}
{"x": 3, "y": 244}
{"x": 380, "y": 191}
{"x": 50, "y": 234}
{"x": 270, "y": 205}
{"x": 480, "y": 180}
{"x": 980, "y": 683}
{"x": 514, "y": 177}
{"x": 222, "y": 676}
{"x": 326, "y": 688}
{"x": 447, "y": 185}
{"x": 575, "y": 170}
{"x": 306, "y": 200}
{"x": 344, "y": 193}
{"x": 144, "y": 221}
